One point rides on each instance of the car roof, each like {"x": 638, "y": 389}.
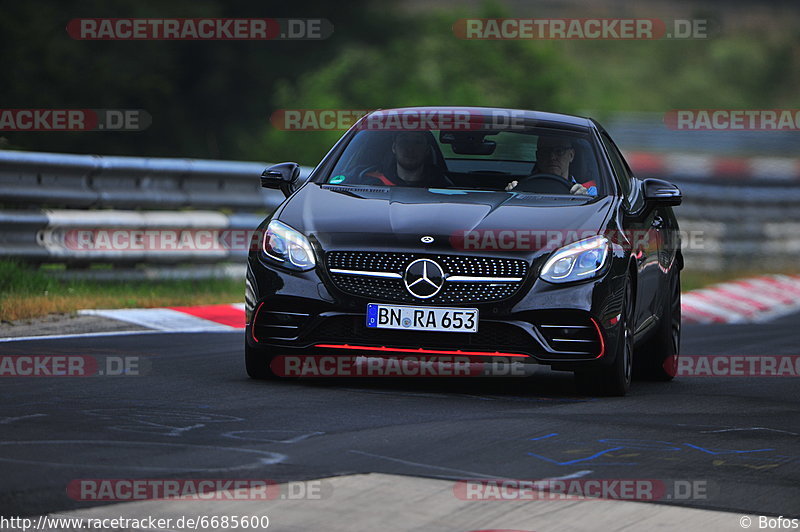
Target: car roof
{"x": 539, "y": 117}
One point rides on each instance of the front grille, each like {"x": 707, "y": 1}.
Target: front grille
{"x": 453, "y": 292}
{"x": 491, "y": 336}
{"x": 453, "y": 264}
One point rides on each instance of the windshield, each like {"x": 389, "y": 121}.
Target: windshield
{"x": 533, "y": 160}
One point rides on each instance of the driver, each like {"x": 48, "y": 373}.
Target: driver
{"x": 553, "y": 156}
{"x": 411, "y": 163}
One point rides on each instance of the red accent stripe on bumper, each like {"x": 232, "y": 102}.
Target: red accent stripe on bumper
{"x": 420, "y": 350}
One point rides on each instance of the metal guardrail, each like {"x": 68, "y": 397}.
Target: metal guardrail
{"x": 45, "y": 198}
{"x": 648, "y": 132}
{"x": 79, "y": 238}
{"x": 93, "y": 181}
{"x": 740, "y": 226}
{"x": 178, "y": 237}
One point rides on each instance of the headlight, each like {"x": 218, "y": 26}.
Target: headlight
{"x": 581, "y": 260}
{"x": 289, "y": 247}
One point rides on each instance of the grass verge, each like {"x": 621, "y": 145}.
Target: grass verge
{"x": 28, "y": 293}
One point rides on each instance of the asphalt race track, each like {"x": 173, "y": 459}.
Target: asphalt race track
{"x": 195, "y": 414}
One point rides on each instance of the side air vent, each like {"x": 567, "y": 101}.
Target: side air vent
{"x": 278, "y": 325}
{"x": 570, "y": 335}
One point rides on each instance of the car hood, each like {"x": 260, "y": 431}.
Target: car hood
{"x": 394, "y": 218}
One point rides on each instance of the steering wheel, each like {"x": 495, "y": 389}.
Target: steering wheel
{"x": 362, "y": 170}
{"x": 364, "y": 179}
{"x": 550, "y": 180}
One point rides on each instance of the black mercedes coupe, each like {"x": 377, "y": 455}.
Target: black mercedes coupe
{"x": 479, "y": 231}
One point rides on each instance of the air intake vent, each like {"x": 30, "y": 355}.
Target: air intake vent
{"x": 572, "y": 335}
{"x": 279, "y": 325}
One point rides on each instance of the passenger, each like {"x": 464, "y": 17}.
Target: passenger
{"x": 411, "y": 164}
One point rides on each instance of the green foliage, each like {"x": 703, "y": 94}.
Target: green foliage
{"x": 726, "y": 71}
{"x": 429, "y": 67}
{"x": 214, "y": 99}
{"x": 201, "y": 95}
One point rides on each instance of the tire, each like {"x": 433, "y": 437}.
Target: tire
{"x": 658, "y": 357}
{"x": 614, "y": 380}
{"x": 257, "y": 363}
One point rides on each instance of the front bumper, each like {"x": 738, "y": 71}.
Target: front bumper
{"x": 567, "y": 327}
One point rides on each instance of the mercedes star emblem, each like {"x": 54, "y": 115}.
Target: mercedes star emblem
{"x": 426, "y": 239}
{"x": 423, "y": 278}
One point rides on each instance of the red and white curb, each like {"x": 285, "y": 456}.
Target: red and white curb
{"x": 751, "y": 300}
{"x": 208, "y": 318}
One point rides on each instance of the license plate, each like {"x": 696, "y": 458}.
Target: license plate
{"x": 410, "y": 318}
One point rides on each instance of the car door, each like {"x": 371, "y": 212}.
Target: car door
{"x": 644, "y": 233}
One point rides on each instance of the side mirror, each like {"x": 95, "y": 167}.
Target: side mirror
{"x": 282, "y": 177}
{"x": 658, "y": 191}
